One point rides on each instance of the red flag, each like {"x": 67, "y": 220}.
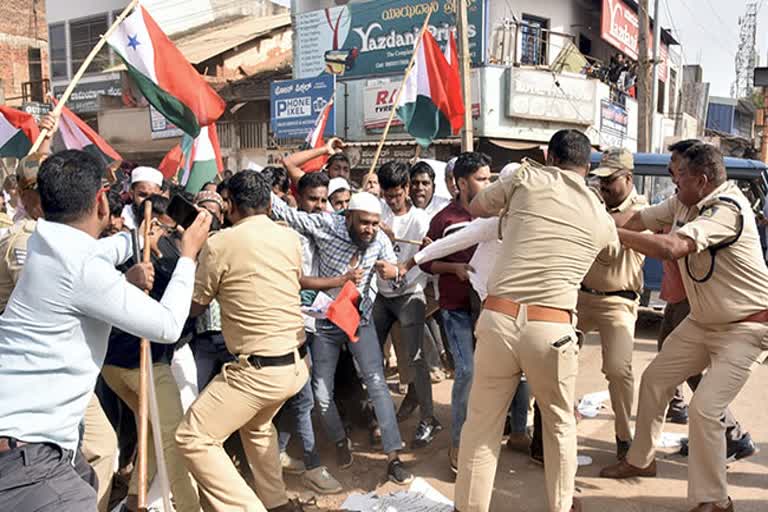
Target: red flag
{"x": 315, "y": 139}
{"x": 172, "y": 162}
{"x": 76, "y": 134}
{"x": 343, "y": 312}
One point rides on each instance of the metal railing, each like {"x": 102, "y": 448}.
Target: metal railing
{"x": 242, "y": 134}
{"x": 525, "y": 44}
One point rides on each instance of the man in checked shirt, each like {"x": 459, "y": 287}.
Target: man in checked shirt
{"x": 344, "y": 241}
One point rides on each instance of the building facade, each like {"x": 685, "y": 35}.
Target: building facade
{"x": 538, "y": 66}
{"x": 23, "y": 51}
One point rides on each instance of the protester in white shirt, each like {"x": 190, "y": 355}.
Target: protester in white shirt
{"x": 55, "y": 328}
{"x": 403, "y": 300}
{"x": 145, "y": 182}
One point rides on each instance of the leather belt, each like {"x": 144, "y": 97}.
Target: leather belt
{"x": 535, "y": 313}
{"x": 284, "y": 360}
{"x": 625, "y": 294}
{"x": 760, "y": 317}
{"x": 8, "y": 443}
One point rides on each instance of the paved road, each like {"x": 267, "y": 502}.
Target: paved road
{"x": 519, "y": 482}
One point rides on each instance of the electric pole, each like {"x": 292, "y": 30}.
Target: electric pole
{"x": 467, "y": 134}
{"x": 643, "y": 82}
{"x": 655, "y": 73}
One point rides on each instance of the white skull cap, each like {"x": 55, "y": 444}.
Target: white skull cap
{"x": 365, "y": 202}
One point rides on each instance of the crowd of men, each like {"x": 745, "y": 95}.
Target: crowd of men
{"x": 497, "y": 283}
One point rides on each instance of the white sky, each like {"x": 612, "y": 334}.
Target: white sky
{"x": 708, "y": 31}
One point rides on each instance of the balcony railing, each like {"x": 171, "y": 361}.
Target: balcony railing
{"x": 242, "y": 134}
{"x": 525, "y": 44}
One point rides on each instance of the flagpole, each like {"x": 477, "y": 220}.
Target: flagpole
{"x": 80, "y": 72}
{"x": 397, "y": 97}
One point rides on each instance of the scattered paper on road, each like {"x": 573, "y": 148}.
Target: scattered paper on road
{"x": 421, "y": 497}
{"x": 670, "y": 440}
{"x": 590, "y": 404}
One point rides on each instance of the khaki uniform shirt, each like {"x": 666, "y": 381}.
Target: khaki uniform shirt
{"x": 13, "y": 254}
{"x": 253, "y": 271}
{"x": 622, "y": 271}
{"x": 737, "y": 288}
{"x": 555, "y": 226}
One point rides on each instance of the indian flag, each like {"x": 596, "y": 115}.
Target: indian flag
{"x": 430, "y": 105}
{"x": 202, "y": 160}
{"x": 74, "y": 133}
{"x": 18, "y": 131}
{"x": 164, "y": 76}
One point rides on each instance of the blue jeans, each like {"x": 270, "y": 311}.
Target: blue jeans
{"x": 367, "y": 353}
{"x": 296, "y": 416}
{"x": 458, "y": 330}
{"x": 211, "y": 354}
{"x": 518, "y": 411}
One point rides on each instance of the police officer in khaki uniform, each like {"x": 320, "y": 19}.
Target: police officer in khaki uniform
{"x": 715, "y": 241}
{"x": 554, "y": 228}
{"x": 13, "y": 246}
{"x": 252, "y": 269}
{"x": 610, "y": 292}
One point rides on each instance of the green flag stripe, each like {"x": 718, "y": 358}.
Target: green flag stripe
{"x": 424, "y": 121}
{"x": 17, "y": 146}
{"x": 173, "y": 109}
{"x": 201, "y": 173}
{"x": 102, "y": 157}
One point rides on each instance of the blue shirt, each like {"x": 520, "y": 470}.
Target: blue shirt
{"x": 53, "y": 333}
{"x": 335, "y": 249}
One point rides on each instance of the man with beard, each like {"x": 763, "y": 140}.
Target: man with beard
{"x": 145, "y": 182}
{"x": 472, "y": 174}
{"x": 610, "y": 293}
{"x": 349, "y": 241}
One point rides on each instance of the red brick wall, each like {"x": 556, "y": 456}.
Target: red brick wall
{"x": 22, "y": 26}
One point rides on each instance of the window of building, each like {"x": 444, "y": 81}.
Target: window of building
{"x": 585, "y": 45}
{"x": 35, "y": 66}
{"x": 672, "y": 92}
{"x": 83, "y": 36}
{"x": 660, "y": 97}
{"x": 57, "y": 42}
{"x": 534, "y": 40}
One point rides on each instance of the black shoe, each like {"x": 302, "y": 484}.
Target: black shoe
{"x": 426, "y": 432}
{"x": 622, "y": 447}
{"x": 741, "y": 449}
{"x": 291, "y": 506}
{"x": 344, "y": 454}
{"x": 397, "y": 473}
{"x": 678, "y": 415}
{"x": 407, "y": 408}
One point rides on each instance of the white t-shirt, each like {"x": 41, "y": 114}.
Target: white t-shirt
{"x": 411, "y": 226}
{"x": 129, "y": 218}
{"x": 436, "y": 205}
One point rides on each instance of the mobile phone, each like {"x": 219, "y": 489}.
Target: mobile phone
{"x": 182, "y": 211}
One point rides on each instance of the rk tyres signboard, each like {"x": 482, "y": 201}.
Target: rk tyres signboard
{"x": 377, "y": 37}
{"x": 296, "y": 104}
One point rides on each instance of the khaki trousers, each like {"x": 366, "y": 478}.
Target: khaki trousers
{"x": 245, "y": 398}
{"x": 730, "y": 351}
{"x": 125, "y": 383}
{"x": 614, "y": 318}
{"x": 100, "y": 449}
{"x": 507, "y": 347}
